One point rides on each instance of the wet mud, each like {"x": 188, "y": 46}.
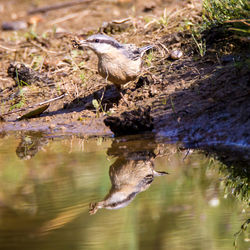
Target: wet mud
{"x": 200, "y": 100}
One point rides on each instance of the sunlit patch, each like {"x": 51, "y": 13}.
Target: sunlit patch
{"x": 214, "y": 202}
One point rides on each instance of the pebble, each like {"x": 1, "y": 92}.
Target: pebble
{"x": 47, "y": 119}
{"x": 176, "y": 54}
{"x": 229, "y": 58}
{"x": 15, "y": 25}
{"x": 2, "y": 119}
{"x": 52, "y": 126}
{"x": 63, "y": 128}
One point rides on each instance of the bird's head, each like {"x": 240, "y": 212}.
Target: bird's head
{"x": 100, "y": 44}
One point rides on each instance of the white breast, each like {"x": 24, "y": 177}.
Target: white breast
{"x": 118, "y": 68}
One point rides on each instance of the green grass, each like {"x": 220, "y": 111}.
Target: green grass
{"x": 31, "y": 34}
{"x": 200, "y": 44}
{"x": 149, "y": 58}
{"x": 232, "y": 13}
{"x": 19, "y": 82}
{"x": 19, "y": 104}
{"x": 227, "y": 16}
{"x": 83, "y": 78}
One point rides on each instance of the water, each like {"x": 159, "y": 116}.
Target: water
{"x": 47, "y": 184}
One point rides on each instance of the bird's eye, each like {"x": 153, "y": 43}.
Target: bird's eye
{"x": 97, "y": 41}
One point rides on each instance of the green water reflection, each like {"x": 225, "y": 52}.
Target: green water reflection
{"x": 46, "y": 186}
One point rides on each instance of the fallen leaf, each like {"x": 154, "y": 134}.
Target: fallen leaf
{"x": 34, "y": 113}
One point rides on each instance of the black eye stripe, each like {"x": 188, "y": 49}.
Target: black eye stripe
{"x": 112, "y": 43}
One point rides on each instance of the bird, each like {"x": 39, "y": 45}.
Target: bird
{"x": 117, "y": 63}
{"x": 128, "y": 177}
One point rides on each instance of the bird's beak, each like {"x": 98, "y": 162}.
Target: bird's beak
{"x": 83, "y": 43}
{"x": 80, "y": 44}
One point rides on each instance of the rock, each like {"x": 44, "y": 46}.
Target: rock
{"x": 176, "y": 54}
{"x": 114, "y": 27}
{"x": 131, "y": 122}
{"x": 2, "y": 119}
{"x": 149, "y": 6}
{"x": 24, "y": 75}
{"x": 15, "y": 25}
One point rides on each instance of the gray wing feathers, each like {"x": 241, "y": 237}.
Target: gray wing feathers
{"x": 144, "y": 49}
{"x": 133, "y": 52}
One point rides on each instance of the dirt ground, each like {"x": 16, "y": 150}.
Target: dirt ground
{"x": 198, "y": 99}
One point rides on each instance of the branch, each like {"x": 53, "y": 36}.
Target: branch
{"x": 245, "y": 21}
{"x": 57, "y": 6}
{"x": 35, "y": 105}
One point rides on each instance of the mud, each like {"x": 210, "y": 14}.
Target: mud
{"x": 133, "y": 122}
{"x": 199, "y": 100}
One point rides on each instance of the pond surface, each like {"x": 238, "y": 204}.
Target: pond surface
{"x": 54, "y": 193}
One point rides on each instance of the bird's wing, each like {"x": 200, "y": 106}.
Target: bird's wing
{"x": 132, "y": 51}
{"x": 144, "y": 49}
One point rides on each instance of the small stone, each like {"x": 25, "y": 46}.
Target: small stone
{"x": 2, "y": 119}
{"x": 113, "y": 27}
{"x": 176, "y": 54}
{"x": 52, "y": 126}
{"x": 149, "y": 7}
{"x": 15, "y": 25}
{"x": 62, "y": 128}
{"x": 47, "y": 119}
{"x": 210, "y": 99}
{"x": 228, "y": 58}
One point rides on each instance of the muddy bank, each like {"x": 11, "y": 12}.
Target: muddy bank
{"x": 214, "y": 109}
{"x": 206, "y": 101}
{"x": 198, "y": 99}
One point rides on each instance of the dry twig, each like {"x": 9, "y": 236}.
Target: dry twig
{"x": 35, "y": 105}
{"x": 58, "y": 6}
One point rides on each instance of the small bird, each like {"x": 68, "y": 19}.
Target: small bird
{"x": 118, "y": 63}
{"x": 129, "y": 177}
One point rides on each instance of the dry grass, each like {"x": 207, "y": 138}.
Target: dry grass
{"x": 74, "y": 71}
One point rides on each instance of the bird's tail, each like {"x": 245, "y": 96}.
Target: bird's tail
{"x": 145, "y": 49}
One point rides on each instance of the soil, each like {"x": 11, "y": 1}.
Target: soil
{"x": 200, "y": 100}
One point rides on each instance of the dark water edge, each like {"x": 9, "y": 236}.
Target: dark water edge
{"x": 56, "y": 231}
{"x": 234, "y": 161}
{"x": 234, "y": 158}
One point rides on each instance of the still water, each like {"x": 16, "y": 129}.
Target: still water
{"x": 54, "y": 194}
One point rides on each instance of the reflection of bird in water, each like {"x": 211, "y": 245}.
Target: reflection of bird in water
{"x": 128, "y": 178}
{"x": 118, "y": 63}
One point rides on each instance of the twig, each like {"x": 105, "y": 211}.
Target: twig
{"x": 187, "y": 153}
{"x": 6, "y": 48}
{"x": 65, "y": 18}
{"x": 57, "y": 6}
{"x": 164, "y": 47}
{"x": 121, "y": 21}
{"x": 51, "y": 100}
{"x": 35, "y": 105}
{"x": 239, "y": 21}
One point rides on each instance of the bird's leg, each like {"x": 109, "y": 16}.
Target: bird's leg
{"x": 122, "y": 96}
{"x": 104, "y": 89}
{"x": 107, "y": 76}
